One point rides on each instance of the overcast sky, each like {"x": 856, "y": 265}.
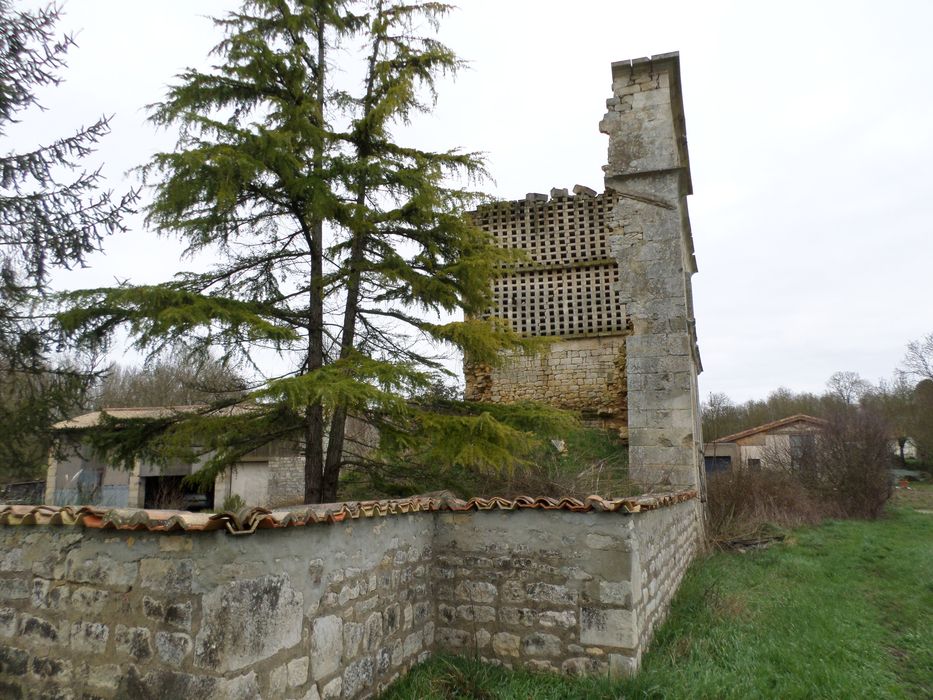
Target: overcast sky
{"x": 809, "y": 128}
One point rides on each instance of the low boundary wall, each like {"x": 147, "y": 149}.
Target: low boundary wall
{"x": 148, "y": 604}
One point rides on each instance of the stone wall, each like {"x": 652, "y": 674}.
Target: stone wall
{"x": 333, "y": 610}
{"x": 559, "y": 591}
{"x": 649, "y": 174}
{"x": 580, "y": 374}
{"x": 320, "y": 612}
{"x": 619, "y": 264}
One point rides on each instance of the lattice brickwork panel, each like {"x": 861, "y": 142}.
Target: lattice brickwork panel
{"x": 568, "y": 286}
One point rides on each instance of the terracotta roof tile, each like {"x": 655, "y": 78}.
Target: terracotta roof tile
{"x": 249, "y": 520}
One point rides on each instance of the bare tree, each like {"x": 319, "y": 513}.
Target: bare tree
{"x": 848, "y": 387}
{"x": 918, "y": 362}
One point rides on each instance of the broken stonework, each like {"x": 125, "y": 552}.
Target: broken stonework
{"x": 609, "y": 276}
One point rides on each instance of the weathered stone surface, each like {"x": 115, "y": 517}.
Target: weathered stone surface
{"x": 40, "y": 629}
{"x": 326, "y": 646}
{"x": 333, "y": 689}
{"x": 297, "y": 671}
{"x": 172, "y": 647}
{"x": 167, "y": 575}
{"x": 174, "y": 614}
{"x": 540, "y": 644}
{"x": 89, "y": 637}
{"x": 352, "y": 639}
{"x": 55, "y": 670}
{"x": 13, "y": 662}
{"x": 610, "y": 627}
{"x": 134, "y": 642}
{"x": 247, "y": 621}
{"x": 505, "y": 644}
{"x": 8, "y": 622}
{"x": 132, "y": 646}
{"x": 101, "y": 570}
{"x": 88, "y": 601}
{"x": 476, "y": 591}
{"x": 161, "y": 685}
{"x": 357, "y": 677}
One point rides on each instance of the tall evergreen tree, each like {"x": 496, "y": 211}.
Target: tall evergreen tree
{"x": 339, "y": 245}
{"x": 53, "y": 214}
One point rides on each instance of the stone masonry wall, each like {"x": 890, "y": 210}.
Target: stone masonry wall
{"x": 570, "y": 592}
{"x": 330, "y": 610}
{"x": 334, "y": 611}
{"x": 581, "y": 374}
{"x": 667, "y": 541}
{"x": 648, "y": 172}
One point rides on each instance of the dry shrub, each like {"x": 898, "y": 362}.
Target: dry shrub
{"x": 842, "y": 473}
{"x": 851, "y": 462}
{"x": 743, "y": 503}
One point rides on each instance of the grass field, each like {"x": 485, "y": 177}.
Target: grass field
{"x": 843, "y": 610}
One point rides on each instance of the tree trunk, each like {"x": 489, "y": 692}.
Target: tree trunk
{"x": 314, "y": 467}
{"x": 315, "y": 491}
{"x": 338, "y": 423}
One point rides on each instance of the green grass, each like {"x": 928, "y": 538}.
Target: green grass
{"x": 843, "y": 610}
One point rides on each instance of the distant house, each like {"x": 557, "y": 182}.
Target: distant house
{"x": 767, "y": 446}
{"x": 270, "y": 477}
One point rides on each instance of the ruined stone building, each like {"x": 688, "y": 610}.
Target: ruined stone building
{"x": 609, "y": 276}
{"x": 340, "y": 600}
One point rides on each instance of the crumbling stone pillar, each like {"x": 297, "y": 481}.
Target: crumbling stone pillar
{"x": 649, "y": 171}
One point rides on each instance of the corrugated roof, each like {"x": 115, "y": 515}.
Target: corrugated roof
{"x": 771, "y": 426}
{"x": 249, "y": 520}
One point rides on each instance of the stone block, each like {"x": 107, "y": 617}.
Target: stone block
{"x": 172, "y": 647}
{"x": 616, "y": 593}
{"x": 297, "y": 671}
{"x": 326, "y": 646}
{"x": 559, "y": 619}
{"x": 101, "y": 570}
{"x": 88, "y": 601}
{"x": 540, "y": 644}
{"x": 13, "y": 662}
{"x": 506, "y": 644}
{"x": 172, "y": 684}
{"x": 551, "y": 594}
{"x": 477, "y": 613}
{"x": 352, "y": 639}
{"x": 608, "y": 627}
{"x": 174, "y": 614}
{"x": 357, "y": 677}
{"x": 102, "y": 677}
{"x": 134, "y": 642}
{"x": 476, "y": 591}
{"x": 167, "y": 575}
{"x": 244, "y": 622}
{"x": 48, "y": 669}
{"x": 89, "y": 637}
{"x": 8, "y": 622}
{"x": 333, "y": 689}
{"x": 41, "y": 630}
{"x": 621, "y": 665}
{"x": 372, "y": 632}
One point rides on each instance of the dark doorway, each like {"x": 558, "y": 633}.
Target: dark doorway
{"x": 171, "y": 493}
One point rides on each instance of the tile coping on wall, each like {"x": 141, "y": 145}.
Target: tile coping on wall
{"x": 249, "y": 520}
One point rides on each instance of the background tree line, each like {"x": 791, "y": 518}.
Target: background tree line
{"x": 905, "y": 403}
